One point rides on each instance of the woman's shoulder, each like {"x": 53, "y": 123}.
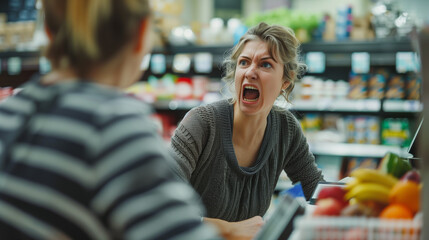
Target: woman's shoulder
{"x": 208, "y": 111}
{"x": 285, "y": 115}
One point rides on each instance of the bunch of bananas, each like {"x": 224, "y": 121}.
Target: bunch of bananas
{"x": 370, "y": 185}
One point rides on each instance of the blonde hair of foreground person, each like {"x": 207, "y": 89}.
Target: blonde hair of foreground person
{"x": 283, "y": 46}
{"x": 85, "y": 34}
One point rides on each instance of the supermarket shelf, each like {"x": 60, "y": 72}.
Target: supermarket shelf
{"x": 8, "y": 54}
{"x": 377, "y": 45}
{"x": 355, "y": 150}
{"x": 338, "y": 53}
{"x": 29, "y": 60}
{"x": 402, "y": 106}
{"x": 321, "y": 105}
{"x": 335, "y": 105}
{"x": 345, "y": 59}
{"x": 214, "y": 49}
{"x": 374, "y": 46}
{"x": 176, "y": 104}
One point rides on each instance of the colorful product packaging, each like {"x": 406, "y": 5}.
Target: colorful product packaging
{"x": 396, "y": 132}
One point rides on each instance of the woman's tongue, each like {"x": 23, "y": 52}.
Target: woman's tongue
{"x": 251, "y": 95}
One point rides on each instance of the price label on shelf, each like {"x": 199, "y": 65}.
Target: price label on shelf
{"x": 44, "y": 65}
{"x": 407, "y": 62}
{"x": 315, "y": 62}
{"x": 203, "y": 62}
{"x": 14, "y": 65}
{"x": 360, "y": 62}
{"x": 158, "y": 64}
{"x": 182, "y": 63}
{"x": 413, "y": 106}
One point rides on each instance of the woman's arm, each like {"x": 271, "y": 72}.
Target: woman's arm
{"x": 301, "y": 166}
{"x": 242, "y": 230}
{"x": 188, "y": 142}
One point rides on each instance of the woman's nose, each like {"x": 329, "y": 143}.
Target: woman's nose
{"x": 251, "y": 72}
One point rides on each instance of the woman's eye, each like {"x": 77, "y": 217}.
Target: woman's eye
{"x": 266, "y": 65}
{"x": 242, "y": 62}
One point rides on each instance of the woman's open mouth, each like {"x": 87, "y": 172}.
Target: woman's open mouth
{"x": 250, "y": 93}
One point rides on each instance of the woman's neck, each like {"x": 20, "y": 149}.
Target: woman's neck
{"x": 248, "y": 129}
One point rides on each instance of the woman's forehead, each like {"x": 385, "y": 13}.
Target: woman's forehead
{"x": 257, "y": 47}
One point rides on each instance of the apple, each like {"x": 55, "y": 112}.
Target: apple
{"x": 328, "y": 207}
{"x": 412, "y": 175}
{"x": 335, "y": 192}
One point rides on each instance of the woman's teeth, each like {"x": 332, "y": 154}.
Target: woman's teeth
{"x": 250, "y": 94}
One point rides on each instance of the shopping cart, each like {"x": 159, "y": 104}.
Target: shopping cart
{"x": 355, "y": 228}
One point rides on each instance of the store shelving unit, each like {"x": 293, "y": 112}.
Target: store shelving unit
{"x": 173, "y": 105}
{"x": 338, "y": 58}
{"x": 333, "y": 105}
{"x": 356, "y": 150}
{"x": 338, "y": 54}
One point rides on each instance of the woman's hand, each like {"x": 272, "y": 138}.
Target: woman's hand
{"x": 242, "y": 230}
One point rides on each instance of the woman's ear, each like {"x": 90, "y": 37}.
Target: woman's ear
{"x": 285, "y": 85}
{"x": 142, "y": 36}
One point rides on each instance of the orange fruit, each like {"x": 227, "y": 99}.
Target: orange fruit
{"x": 406, "y": 193}
{"x": 396, "y": 211}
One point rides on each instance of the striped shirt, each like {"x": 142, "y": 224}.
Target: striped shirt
{"x": 88, "y": 164}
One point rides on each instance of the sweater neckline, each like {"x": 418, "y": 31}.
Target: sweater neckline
{"x": 227, "y": 119}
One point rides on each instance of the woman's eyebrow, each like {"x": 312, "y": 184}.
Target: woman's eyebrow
{"x": 268, "y": 58}
{"x": 243, "y": 56}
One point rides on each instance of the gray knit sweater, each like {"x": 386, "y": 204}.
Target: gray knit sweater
{"x": 203, "y": 149}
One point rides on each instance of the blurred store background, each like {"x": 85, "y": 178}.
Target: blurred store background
{"x": 361, "y": 96}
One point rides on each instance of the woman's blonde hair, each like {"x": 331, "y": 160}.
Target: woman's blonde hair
{"x": 283, "y": 46}
{"x": 89, "y": 32}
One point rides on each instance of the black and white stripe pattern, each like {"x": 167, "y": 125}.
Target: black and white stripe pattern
{"x": 90, "y": 166}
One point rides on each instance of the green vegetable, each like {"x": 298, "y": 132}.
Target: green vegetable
{"x": 394, "y": 165}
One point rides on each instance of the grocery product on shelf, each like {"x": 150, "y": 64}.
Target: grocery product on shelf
{"x": 303, "y": 23}
{"x": 390, "y": 21}
{"x": 395, "y": 88}
{"x": 376, "y": 86}
{"x": 395, "y": 131}
{"x": 413, "y": 87}
{"x": 358, "y": 86}
{"x": 344, "y": 22}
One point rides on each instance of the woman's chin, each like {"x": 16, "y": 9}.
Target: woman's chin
{"x": 249, "y": 107}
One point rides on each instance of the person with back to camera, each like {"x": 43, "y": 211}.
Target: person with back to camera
{"x": 79, "y": 159}
{"x": 233, "y": 151}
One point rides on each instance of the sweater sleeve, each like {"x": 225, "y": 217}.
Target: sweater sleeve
{"x": 302, "y": 166}
{"x": 188, "y": 142}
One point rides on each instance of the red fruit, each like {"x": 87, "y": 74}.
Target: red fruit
{"x": 333, "y": 192}
{"x": 328, "y": 207}
{"x": 412, "y": 175}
